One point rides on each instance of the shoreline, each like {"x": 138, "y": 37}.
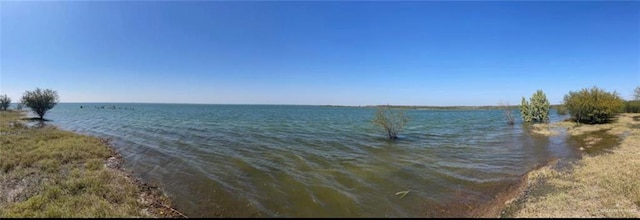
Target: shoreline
{"x": 58, "y": 176}
{"x": 151, "y": 195}
{"x": 497, "y": 207}
{"x": 587, "y": 189}
{"x": 510, "y": 202}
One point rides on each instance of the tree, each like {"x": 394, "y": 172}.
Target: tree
{"x": 40, "y": 101}
{"x": 540, "y": 107}
{"x": 636, "y": 94}
{"x": 524, "y": 110}
{"x": 4, "y": 102}
{"x": 507, "y": 113}
{"x": 537, "y": 109}
{"x": 593, "y": 106}
{"x": 392, "y": 122}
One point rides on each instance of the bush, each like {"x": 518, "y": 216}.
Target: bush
{"x": 524, "y": 110}
{"x": 507, "y": 113}
{"x": 4, "y": 102}
{"x": 537, "y": 109}
{"x": 40, "y": 101}
{"x": 562, "y": 110}
{"x": 632, "y": 106}
{"x": 593, "y": 106}
{"x": 391, "y": 122}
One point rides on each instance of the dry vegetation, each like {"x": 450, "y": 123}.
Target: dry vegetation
{"x": 602, "y": 185}
{"x": 47, "y": 172}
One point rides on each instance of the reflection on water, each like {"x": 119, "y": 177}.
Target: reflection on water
{"x": 312, "y": 161}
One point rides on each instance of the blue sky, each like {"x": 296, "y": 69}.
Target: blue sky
{"x": 320, "y": 53}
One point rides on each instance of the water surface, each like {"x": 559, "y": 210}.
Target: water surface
{"x": 315, "y": 161}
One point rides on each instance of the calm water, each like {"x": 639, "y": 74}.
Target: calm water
{"x": 312, "y": 161}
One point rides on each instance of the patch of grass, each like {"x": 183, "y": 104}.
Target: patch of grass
{"x": 47, "y": 172}
{"x": 604, "y": 185}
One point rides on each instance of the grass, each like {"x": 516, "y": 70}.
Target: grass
{"x": 47, "y": 172}
{"x": 602, "y": 185}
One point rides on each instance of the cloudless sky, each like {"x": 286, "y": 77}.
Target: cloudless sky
{"x": 320, "y": 53}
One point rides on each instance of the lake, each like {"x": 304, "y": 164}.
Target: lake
{"x": 315, "y": 161}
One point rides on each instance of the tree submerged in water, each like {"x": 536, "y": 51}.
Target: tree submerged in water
{"x": 392, "y": 122}
{"x": 507, "y": 113}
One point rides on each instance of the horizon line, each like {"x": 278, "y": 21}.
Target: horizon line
{"x": 324, "y": 105}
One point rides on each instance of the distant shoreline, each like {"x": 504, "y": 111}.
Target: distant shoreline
{"x": 414, "y": 107}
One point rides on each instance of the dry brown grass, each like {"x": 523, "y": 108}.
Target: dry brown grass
{"x": 47, "y": 172}
{"x": 546, "y": 129}
{"x": 603, "y": 185}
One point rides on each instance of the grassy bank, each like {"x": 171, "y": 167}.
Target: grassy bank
{"x": 47, "y": 172}
{"x": 598, "y": 185}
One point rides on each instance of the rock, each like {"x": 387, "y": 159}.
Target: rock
{"x": 113, "y": 163}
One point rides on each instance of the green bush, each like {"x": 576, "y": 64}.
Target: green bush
{"x": 632, "y": 106}
{"x": 537, "y": 109}
{"x": 562, "y": 110}
{"x": 593, "y": 106}
{"x": 40, "y": 101}
{"x": 524, "y": 110}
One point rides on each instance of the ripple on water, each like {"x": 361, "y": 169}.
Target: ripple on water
{"x": 310, "y": 161}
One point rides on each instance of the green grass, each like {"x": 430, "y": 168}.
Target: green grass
{"x": 47, "y": 172}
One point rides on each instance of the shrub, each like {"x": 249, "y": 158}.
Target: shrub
{"x": 537, "y": 109}
{"x": 392, "y": 122}
{"x": 562, "y": 110}
{"x": 632, "y": 106}
{"x": 593, "y": 106}
{"x": 40, "y": 101}
{"x": 524, "y": 110}
{"x": 4, "y": 102}
{"x": 507, "y": 112}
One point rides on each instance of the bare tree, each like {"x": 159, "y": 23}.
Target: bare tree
{"x": 636, "y": 94}
{"x": 508, "y": 114}
{"x": 392, "y": 122}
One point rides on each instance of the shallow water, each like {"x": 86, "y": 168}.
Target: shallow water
{"x": 315, "y": 161}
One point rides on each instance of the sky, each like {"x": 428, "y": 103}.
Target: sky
{"x": 433, "y": 53}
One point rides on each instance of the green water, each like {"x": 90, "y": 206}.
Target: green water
{"x": 315, "y": 161}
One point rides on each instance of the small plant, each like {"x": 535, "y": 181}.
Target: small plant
{"x": 537, "y": 109}
{"x": 392, "y": 122}
{"x": 562, "y": 110}
{"x": 4, "y": 102}
{"x": 525, "y": 111}
{"x": 40, "y": 101}
{"x": 507, "y": 113}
